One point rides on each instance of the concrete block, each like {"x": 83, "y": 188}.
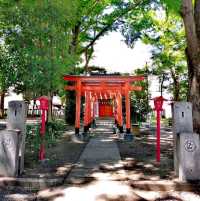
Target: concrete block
{"x": 9, "y": 152}
{"x": 189, "y": 159}
{"x": 182, "y": 122}
{"x": 17, "y": 112}
{"x": 182, "y": 117}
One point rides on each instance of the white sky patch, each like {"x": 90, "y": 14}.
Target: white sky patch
{"x": 112, "y": 52}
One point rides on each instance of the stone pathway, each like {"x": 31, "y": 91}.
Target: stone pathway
{"x": 101, "y": 175}
{"x": 100, "y": 152}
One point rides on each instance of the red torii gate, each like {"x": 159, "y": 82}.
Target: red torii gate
{"x": 108, "y": 87}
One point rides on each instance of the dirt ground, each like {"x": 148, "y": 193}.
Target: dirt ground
{"x": 137, "y": 167}
{"x": 140, "y": 155}
{"x": 60, "y": 158}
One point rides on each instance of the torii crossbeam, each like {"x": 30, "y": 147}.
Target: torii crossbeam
{"x": 103, "y": 87}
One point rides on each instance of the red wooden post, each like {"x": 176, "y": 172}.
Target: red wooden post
{"x": 158, "y": 103}
{"x": 120, "y": 115}
{"x": 86, "y": 112}
{"x": 42, "y": 152}
{"x": 78, "y": 106}
{"x": 44, "y": 104}
{"x": 115, "y": 110}
{"x": 89, "y": 111}
{"x": 128, "y": 118}
{"x": 42, "y": 129}
{"x": 158, "y": 136}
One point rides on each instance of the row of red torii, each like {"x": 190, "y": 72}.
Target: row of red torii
{"x": 102, "y": 87}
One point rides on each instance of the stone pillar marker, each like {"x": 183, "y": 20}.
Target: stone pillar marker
{"x": 182, "y": 122}
{"x": 182, "y": 117}
{"x": 186, "y": 143}
{"x": 17, "y": 120}
{"x": 9, "y": 152}
{"x": 189, "y": 167}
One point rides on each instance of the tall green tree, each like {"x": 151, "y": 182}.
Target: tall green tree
{"x": 39, "y": 32}
{"x": 94, "y": 19}
{"x": 140, "y": 99}
{"x": 189, "y": 10}
{"x": 169, "y": 62}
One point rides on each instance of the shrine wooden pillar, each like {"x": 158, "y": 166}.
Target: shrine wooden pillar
{"x": 78, "y": 106}
{"x": 90, "y": 112}
{"x": 86, "y": 112}
{"x": 115, "y": 111}
{"x": 119, "y": 112}
{"x": 127, "y": 100}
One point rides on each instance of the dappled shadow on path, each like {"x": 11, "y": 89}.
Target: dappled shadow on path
{"x": 137, "y": 177}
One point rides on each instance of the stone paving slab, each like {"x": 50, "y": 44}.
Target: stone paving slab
{"x": 101, "y": 150}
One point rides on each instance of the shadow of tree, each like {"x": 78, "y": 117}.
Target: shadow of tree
{"x": 137, "y": 177}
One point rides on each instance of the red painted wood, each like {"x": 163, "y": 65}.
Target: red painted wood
{"x": 105, "y": 109}
{"x": 158, "y": 136}
{"x": 87, "y": 109}
{"x": 111, "y": 79}
{"x": 104, "y": 89}
{"x": 128, "y": 120}
{"x": 42, "y": 152}
{"x": 119, "y": 112}
{"x": 78, "y": 104}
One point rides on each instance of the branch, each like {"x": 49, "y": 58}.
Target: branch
{"x": 109, "y": 25}
{"x": 190, "y": 29}
{"x": 197, "y": 17}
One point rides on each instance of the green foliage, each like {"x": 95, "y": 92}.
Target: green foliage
{"x": 54, "y": 131}
{"x": 164, "y": 31}
{"x": 38, "y": 34}
{"x": 45, "y": 39}
{"x": 172, "y": 6}
{"x": 140, "y": 99}
{"x": 169, "y": 61}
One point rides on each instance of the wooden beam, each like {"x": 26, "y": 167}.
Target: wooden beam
{"x": 106, "y": 89}
{"x": 106, "y": 79}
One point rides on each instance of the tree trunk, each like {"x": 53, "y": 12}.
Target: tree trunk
{"x": 162, "y": 79}
{"x": 176, "y": 85}
{"x": 34, "y": 108}
{"x": 2, "y": 98}
{"x": 50, "y": 116}
{"x": 176, "y": 92}
{"x": 88, "y": 56}
{"x": 192, "y": 23}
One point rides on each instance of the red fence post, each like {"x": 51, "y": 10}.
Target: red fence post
{"x": 158, "y": 136}
{"x": 158, "y": 103}
{"x": 44, "y": 105}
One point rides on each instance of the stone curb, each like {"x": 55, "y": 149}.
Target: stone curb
{"x": 30, "y": 184}
{"x": 164, "y": 185}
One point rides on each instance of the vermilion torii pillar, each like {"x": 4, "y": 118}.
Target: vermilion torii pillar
{"x": 128, "y": 115}
{"x": 119, "y": 112}
{"x": 78, "y": 106}
{"x": 87, "y": 112}
{"x": 106, "y": 87}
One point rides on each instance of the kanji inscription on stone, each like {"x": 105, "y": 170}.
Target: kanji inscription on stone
{"x": 8, "y": 143}
{"x": 190, "y": 146}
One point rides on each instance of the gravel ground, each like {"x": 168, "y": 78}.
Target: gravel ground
{"x": 18, "y": 194}
{"x": 60, "y": 160}
{"x": 141, "y": 153}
